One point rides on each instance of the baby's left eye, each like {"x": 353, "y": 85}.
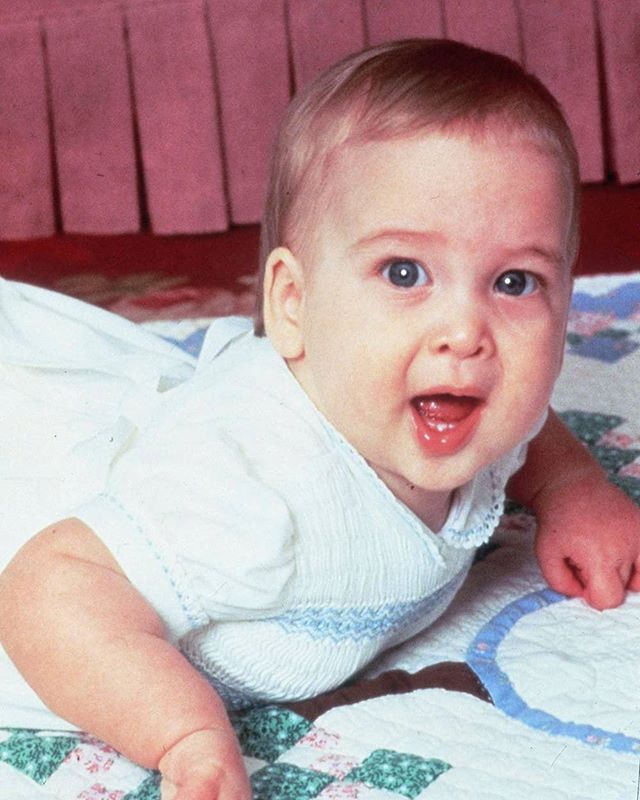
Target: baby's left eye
{"x": 405, "y": 274}
{"x": 516, "y": 282}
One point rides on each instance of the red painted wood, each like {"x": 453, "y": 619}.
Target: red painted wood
{"x": 322, "y": 31}
{"x": 251, "y": 54}
{"x": 92, "y": 123}
{"x": 33, "y": 9}
{"x": 11, "y": 10}
{"x": 560, "y": 48}
{"x": 177, "y": 117}
{"x": 620, "y": 29}
{"x": 387, "y": 20}
{"x": 26, "y": 197}
{"x": 490, "y": 24}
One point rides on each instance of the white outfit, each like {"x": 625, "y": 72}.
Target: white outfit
{"x": 75, "y": 383}
{"x": 278, "y": 560}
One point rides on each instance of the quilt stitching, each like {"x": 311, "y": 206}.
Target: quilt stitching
{"x": 482, "y": 658}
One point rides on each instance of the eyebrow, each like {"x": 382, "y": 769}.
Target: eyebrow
{"x": 554, "y": 257}
{"x": 397, "y": 235}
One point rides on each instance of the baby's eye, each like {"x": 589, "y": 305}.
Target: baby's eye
{"x": 516, "y": 282}
{"x": 405, "y": 274}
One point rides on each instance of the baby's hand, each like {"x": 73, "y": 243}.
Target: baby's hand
{"x": 205, "y": 765}
{"x": 588, "y": 541}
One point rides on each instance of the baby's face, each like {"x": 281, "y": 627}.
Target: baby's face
{"x": 436, "y": 295}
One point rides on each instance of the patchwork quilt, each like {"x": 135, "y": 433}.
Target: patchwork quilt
{"x": 558, "y": 714}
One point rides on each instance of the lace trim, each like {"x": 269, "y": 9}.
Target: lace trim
{"x": 482, "y": 521}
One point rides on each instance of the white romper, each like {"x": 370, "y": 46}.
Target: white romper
{"x": 278, "y": 560}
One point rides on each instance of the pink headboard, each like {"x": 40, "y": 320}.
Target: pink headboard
{"x": 121, "y": 114}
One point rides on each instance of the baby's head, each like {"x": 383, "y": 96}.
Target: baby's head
{"x": 420, "y": 227}
{"x": 401, "y": 90}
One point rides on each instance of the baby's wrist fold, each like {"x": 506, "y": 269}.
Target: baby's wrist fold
{"x": 585, "y": 480}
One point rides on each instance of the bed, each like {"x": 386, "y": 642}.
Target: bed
{"x": 524, "y": 693}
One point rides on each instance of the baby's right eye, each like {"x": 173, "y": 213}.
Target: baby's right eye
{"x": 405, "y": 274}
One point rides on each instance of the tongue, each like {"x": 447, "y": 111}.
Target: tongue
{"x": 445, "y": 408}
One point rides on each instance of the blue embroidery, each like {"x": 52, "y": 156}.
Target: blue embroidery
{"x": 369, "y": 622}
{"x": 195, "y": 619}
{"x": 481, "y": 657}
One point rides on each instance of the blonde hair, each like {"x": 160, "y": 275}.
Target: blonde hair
{"x": 395, "y": 90}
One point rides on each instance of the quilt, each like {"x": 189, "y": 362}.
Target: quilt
{"x": 556, "y": 713}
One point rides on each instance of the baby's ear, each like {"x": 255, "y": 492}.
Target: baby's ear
{"x": 283, "y": 302}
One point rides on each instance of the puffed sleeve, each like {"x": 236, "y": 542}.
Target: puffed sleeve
{"x": 193, "y": 526}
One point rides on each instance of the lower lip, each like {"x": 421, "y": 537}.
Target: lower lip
{"x": 451, "y": 439}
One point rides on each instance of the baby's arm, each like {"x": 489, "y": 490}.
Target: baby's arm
{"x": 95, "y": 652}
{"x": 588, "y": 539}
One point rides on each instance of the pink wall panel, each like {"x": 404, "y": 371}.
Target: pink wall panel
{"x": 560, "y": 48}
{"x": 387, "y": 20}
{"x": 620, "y": 27}
{"x": 36, "y": 9}
{"x": 251, "y": 54}
{"x": 177, "y": 118}
{"x": 26, "y": 198}
{"x": 92, "y": 123}
{"x": 212, "y": 77}
{"x": 490, "y": 24}
{"x": 322, "y": 31}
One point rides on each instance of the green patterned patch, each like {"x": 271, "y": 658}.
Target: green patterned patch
{"x": 588, "y": 426}
{"x": 36, "y": 756}
{"x": 148, "y": 789}
{"x": 288, "y": 782}
{"x": 614, "y": 458}
{"x": 268, "y": 732}
{"x": 402, "y": 773}
{"x": 629, "y": 485}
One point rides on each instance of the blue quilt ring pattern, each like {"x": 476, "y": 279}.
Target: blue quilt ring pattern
{"x": 482, "y": 658}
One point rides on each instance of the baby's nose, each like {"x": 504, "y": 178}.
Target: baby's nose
{"x": 463, "y": 332}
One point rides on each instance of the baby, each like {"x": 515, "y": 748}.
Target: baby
{"x": 314, "y": 494}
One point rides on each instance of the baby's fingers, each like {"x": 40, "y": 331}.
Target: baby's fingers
{"x": 205, "y": 765}
{"x": 606, "y": 587}
{"x": 563, "y": 576}
{"x": 633, "y": 584}
{"x": 168, "y": 790}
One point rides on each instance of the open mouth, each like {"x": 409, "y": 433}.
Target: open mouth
{"x": 444, "y": 422}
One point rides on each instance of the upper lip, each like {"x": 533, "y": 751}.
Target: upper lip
{"x": 456, "y": 391}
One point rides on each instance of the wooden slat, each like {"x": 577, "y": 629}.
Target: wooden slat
{"x": 12, "y": 10}
{"x": 177, "y": 118}
{"x": 92, "y": 123}
{"x": 490, "y": 24}
{"x": 620, "y": 29}
{"x": 26, "y": 196}
{"x": 250, "y": 47}
{"x": 34, "y": 9}
{"x": 387, "y": 20}
{"x": 322, "y": 31}
{"x": 560, "y": 48}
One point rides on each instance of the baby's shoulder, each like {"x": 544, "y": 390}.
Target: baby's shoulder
{"x": 244, "y": 399}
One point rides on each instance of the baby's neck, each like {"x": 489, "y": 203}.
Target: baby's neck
{"x": 433, "y": 510}
{"x": 431, "y": 507}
